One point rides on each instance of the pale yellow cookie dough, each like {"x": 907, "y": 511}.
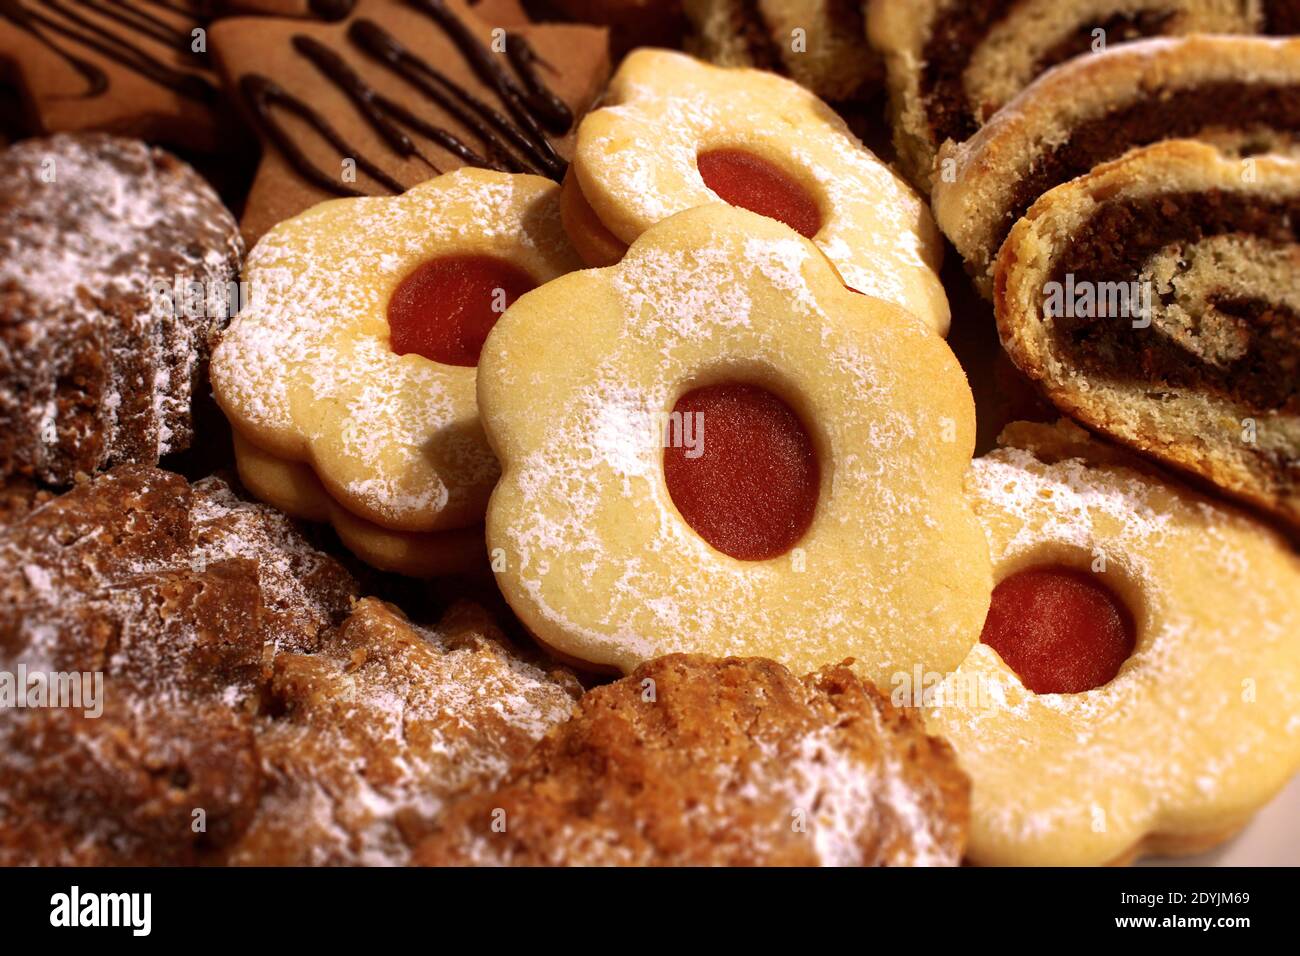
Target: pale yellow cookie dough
{"x": 1200, "y": 727}
{"x": 636, "y": 165}
{"x": 306, "y": 375}
{"x": 593, "y": 554}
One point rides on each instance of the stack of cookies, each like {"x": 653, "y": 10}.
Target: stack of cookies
{"x": 560, "y": 459}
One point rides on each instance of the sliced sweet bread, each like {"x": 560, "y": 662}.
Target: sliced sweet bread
{"x": 820, "y": 44}
{"x": 951, "y": 64}
{"x": 1157, "y": 299}
{"x": 1241, "y": 94}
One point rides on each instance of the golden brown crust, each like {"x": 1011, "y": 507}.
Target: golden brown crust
{"x": 1238, "y": 443}
{"x": 703, "y": 761}
{"x": 597, "y": 245}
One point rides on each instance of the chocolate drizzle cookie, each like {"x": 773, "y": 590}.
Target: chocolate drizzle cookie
{"x": 1157, "y": 299}
{"x": 1240, "y": 93}
{"x": 134, "y": 68}
{"x": 698, "y": 761}
{"x": 100, "y": 357}
{"x": 952, "y": 63}
{"x": 234, "y": 705}
{"x": 397, "y": 92}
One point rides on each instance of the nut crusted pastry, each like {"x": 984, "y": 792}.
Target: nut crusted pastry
{"x": 240, "y": 722}
{"x": 96, "y": 367}
{"x": 1157, "y": 299}
{"x": 951, "y": 64}
{"x": 1242, "y": 94}
{"x": 829, "y": 55}
{"x": 696, "y": 761}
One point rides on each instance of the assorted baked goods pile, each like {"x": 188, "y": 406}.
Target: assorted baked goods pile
{"x": 560, "y": 460}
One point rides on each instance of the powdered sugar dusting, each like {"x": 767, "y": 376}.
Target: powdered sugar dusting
{"x": 238, "y": 677}
{"x": 1196, "y": 723}
{"x": 876, "y": 229}
{"x": 100, "y": 356}
{"x": 726, "y": 293}
{"x": 306, "y": 369}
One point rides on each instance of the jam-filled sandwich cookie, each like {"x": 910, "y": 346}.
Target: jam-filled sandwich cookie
{"x": 676, "y": 133}
{"x": 1157, "y": 299}
{"x": 1240, "y": 93}
{"x": 732, "y": 453}
{"x": 1134, "y": 690}
{"x": 349, "y": 376}
{"x": 951, "y": 64}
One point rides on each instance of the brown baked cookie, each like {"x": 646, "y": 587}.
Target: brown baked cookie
{"x": 397, "y": 92}
{"x": 1240, "y": 93}
{"x": 18, "y": 496}
{"x": 820, "y": 44}
{"x": 699, "y": 761}
{"x": 116, "y": 261}
{"x": 234, "y": 706}
{"x": 130, "y": 67}
{"x": 951, "y": 64}
{"x": 1157, "y": 299}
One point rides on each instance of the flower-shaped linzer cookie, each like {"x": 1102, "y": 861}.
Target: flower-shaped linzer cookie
{"x": 349, "y": 377}
{"x": 731, "y": 454}
{"x": 675, "y": 133}
{"x": 1135, "y": 687}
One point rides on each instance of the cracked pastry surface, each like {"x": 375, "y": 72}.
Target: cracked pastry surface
{"x": 696, "y": 761}
{"x": 115, "y": 265}
{"x": 251, "y": 713}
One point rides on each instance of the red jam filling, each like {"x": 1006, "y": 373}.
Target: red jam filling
{"x": 751, "y": 182}
{"x": 741, "y": 469}
{"x": 445, "y": 308}
{"x": 1062, "y": 631}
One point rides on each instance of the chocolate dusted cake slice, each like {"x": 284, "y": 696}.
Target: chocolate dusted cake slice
{"x": 117, "y": 269}
{"x": 699, "y": 761}
{"x": 1241, "y": 94}
{"x": 951, "y": 64}
{"x": 1157, "y": 300}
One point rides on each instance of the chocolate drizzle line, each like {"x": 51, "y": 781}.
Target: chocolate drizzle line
{"x": 525, "y": 109}
{"x": 13, "y": 10}
{"x": 107, "y": 44}
{"x": 143, "y": 21}
{"x": 510, "y": 145}
{"x": 525, "y": 60}
{"x": 348, "y": 80}
{"x": 261, "y": 93}
{"x": 482, "y": 118}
